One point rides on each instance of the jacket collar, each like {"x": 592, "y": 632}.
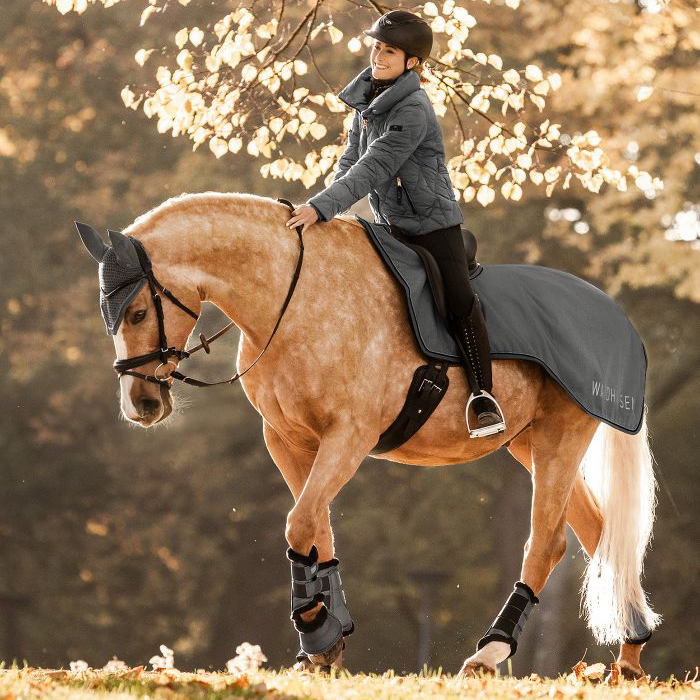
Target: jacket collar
{"x": 355, "y": 93}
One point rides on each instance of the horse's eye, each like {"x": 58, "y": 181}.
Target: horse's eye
{"x": 139, "y": 316}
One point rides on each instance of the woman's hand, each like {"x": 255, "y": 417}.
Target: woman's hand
{"x": 304, "y": 215}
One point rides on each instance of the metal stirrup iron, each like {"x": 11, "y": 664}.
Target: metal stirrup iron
{"x": 510, "y": 621}
{"x": 325, "y": 630}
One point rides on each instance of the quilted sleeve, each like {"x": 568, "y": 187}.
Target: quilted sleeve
{"x": 351, "y": 153}
{"x": 405, "y": 129}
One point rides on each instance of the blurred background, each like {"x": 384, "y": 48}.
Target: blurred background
{"x": 114, "y": 539}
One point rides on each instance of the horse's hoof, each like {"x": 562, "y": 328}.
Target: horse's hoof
{"x": 327, "y": 658}
{"x": 475, "y": 669}
{"x": 310, "y": 667}
{"x": 632, "y": 673}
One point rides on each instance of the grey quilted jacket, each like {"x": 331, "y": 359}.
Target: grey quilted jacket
{"x": 396, "y": 155}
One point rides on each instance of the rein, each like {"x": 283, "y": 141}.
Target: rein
{"x": 164, "y": 353}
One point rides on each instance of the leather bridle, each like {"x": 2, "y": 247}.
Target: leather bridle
{"x": 165, "y": 352}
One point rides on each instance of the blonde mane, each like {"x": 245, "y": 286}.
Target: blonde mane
{"x": 250, "y": 206}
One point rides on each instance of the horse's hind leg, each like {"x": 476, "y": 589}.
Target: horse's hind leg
{"x": 584, "y": 516}
{"x": 559, "y": 438}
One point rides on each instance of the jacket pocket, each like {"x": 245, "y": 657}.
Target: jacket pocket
{"x": 400, "y": 189}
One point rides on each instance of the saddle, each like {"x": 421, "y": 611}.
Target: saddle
{"x": 430, "y": 382}
{"x": 431, "y": 267}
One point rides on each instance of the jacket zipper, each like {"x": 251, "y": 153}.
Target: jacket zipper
{"x": 399, "y": 190}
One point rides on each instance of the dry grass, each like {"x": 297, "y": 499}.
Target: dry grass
{"x": 43, "y": 684}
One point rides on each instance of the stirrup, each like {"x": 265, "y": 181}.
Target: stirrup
{"x": 487, "y": 429}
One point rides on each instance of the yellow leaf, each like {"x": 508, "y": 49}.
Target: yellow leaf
{"x": 196, "y": 36}
{"x": 151, "y": 9}
{"x": 184, "y": 2}
{"x": 307, "y": 115}
{"x": 554, "y": 80}
{"x": 181, "y": 37}
{"x": 142, "y": 56}
{"x": 218, "y": 146}
{"x": 184, "y": 60}
{"x": 533, "y": 72}
{"x": 275, "y": 124}
{"x": 308, "y": 178}
{"x": 318, "y": 131}
{"x": 485, "y": 195}
{"x": 64, "y": 6}
{"x": 336, "y": 34}
{"x": 127, "y": 97}
{"x": 300, "y": 67}
{"x": 235, "y": 144}
{"x": 496, "y": 61}
{"x": 506, "y": 189}
{"x": 512, "y": 76}
{"x": 249, "y": 72}
{"x": 537, "y": 100}
{"x": 536, "y": 177}
{"x": 430, "y": 9}
{"x": 644, "y": 92}
{"x": 524, "y": 161}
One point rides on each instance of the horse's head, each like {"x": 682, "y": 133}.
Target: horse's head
{"x": 136, "y": 316}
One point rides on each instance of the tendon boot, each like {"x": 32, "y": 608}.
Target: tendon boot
{"x": 333, "y": 598}
{"x": 472, "y": 339}
{"x": 321, "y": 638}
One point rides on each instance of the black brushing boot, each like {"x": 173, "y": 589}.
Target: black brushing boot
{"x": 473, "y": 342}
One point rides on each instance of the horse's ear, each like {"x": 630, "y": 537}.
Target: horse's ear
{"x": 124, "y": 248}
{"x": 91, "y": 240}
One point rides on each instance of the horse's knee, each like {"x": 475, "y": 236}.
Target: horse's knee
{"x": 300, "y": 531}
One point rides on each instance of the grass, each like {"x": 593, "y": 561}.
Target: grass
{"x": 135, "y": 684}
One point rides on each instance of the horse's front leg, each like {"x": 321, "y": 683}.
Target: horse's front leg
{"x": 556, "y": 455}
{"x": 295, "y": 465}
{"x": 322, "y": 627}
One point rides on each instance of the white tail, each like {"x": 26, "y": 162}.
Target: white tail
{"x": 618, "y": 468}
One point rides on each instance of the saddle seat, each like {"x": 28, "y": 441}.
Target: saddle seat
{"x": 432, "y": 269}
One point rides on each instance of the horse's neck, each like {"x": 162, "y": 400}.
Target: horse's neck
{"x": 233, "y": 252}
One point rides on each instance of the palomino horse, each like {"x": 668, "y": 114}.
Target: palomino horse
{"x": 335, "y": 376}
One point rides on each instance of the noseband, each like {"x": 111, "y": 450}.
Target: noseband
{"x": 165, "y": 352}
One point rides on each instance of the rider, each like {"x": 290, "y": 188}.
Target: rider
{"x": 395, "y": 154}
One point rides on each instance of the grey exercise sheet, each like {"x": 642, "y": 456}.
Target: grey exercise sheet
{"x": 574, "y": 330}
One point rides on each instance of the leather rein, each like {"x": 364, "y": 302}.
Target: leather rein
{"x": 164, "y": 353}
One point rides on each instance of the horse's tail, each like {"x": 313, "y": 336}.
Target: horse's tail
{"x": 618, "y": 468}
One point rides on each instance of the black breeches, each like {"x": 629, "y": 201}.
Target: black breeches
{"x": 447, "y": 247}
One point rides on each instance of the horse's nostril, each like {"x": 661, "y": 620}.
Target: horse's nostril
{"x": 149, "y": 406}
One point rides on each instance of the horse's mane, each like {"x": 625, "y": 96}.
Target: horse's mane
{"x": 251, "y": 204}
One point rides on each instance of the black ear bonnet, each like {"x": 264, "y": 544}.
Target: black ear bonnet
{"x": 119, "y": 285}
{"x": 121, "y": 273}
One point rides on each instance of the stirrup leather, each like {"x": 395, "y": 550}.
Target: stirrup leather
{"x": 487, "y": 429}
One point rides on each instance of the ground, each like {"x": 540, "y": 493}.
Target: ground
{"x": 34, "y": 684}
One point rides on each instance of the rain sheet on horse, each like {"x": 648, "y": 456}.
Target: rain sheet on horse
{"x": 576, "y": 332}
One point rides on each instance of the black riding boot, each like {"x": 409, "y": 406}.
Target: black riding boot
{"x": 473, "y": 342}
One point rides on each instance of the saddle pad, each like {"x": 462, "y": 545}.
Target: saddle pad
{"x": 574, "y": 330}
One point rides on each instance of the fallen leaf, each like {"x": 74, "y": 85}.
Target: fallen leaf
{"x": 579, "y": 668}
{"x": 614, "y": 678}
{"x": 595, "y": 672}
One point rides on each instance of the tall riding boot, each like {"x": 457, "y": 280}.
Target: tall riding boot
{"x": 472, "y": 339}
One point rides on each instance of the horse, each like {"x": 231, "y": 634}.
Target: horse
{"x": 335, "y": 376}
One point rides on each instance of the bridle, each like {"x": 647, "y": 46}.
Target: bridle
{"x": 165, "y": 352}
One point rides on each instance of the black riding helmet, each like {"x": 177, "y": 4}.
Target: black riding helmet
{"x": 404, "y": 30}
